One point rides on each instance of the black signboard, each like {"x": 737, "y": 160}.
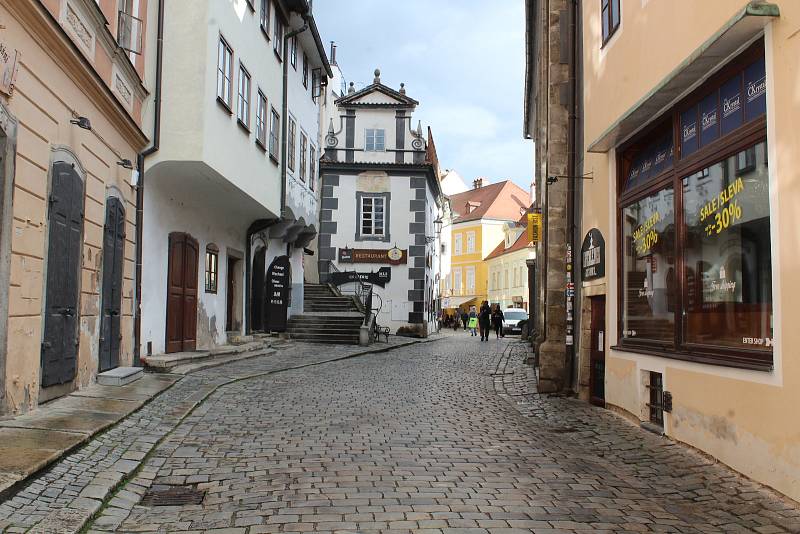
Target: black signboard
{"x": 279, "y": 286}
{"x": 593, "y": 255}
{"x": 381, "y": 278}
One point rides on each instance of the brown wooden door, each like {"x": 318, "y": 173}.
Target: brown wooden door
{"x": 182, "y": 293}
{"x": 60, "y": 337}
{"x": 597, "y": 363}
{"x": 111, "y": 308}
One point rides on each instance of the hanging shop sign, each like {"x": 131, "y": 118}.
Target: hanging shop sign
{"x": 593, "y": 255}
{"x": 380, "y": 278}
{"x": 534, "y": 227}
{"x": 279, "y": 284}
{"x": 392, "y": 256}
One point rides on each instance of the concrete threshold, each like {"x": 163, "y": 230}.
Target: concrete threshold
{"x": 33, "y": 441}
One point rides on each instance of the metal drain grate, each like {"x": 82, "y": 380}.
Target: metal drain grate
{"x": 173, "y": 496}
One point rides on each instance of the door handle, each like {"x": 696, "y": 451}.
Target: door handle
{"x": 69, "y": 312}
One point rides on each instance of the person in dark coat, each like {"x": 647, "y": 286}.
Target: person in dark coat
{"x": 497, "y": 321}
{"x": 485, "y": 320}
{"x": 464, "y": 318}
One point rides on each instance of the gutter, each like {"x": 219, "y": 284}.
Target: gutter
{"x": 137, "y": 324}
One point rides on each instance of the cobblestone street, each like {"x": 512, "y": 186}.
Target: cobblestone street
{"x": 435, "y": 437}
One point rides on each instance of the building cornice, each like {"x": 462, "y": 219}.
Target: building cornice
{"x": 54, "y": 41}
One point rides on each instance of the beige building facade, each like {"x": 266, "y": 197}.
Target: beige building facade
{"x": 70, "y": 113}
{"x": 690, "y": 135}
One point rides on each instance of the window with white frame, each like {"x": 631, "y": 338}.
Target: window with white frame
{"x": 265, "y": 16}
{"x": 293, "y": 52}
{"x": 457, "y": 280}
{"x": 457, "y": 244}
{"x": 372, "y": 220}
{"x": 471, "y": 279}
{"x": 290, "y": 142}
{"x": 375, "y": 140}
{"x": 305, "y": 70}
{"x": 505, "y": 286}
{"x": 470, "y": 242}
{"x": 224, "y": 72}
{"x": 261, "y": 120}
{"x": 274, "y": 133}
{"x": 278, "y": 36}
{"x": 303, "y": 147}
{"x": 312, "y": 167}
{"x": 243, "y": 109}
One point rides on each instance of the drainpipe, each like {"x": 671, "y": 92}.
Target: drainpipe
{"x": 137, "y": 325}
{"x": 571, "y": 181}
{"x": 285, "y": 111}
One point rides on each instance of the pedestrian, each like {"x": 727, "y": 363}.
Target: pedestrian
{"x": 485, "y": 320}
{"x": 464, "y": 319}
{"x": 473, "y": 321}
{"x": 497, "y": 321}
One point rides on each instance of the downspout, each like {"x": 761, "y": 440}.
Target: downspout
{"x": 285, "y": 112}
{"x": 137, "y": 326}
{"x": 571, "y": 180}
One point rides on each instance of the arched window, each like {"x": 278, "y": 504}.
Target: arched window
{"x": 212, "y": 267}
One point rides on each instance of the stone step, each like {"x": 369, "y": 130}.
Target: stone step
{"x": 165, "y": 362}
{"x": 119, "y": 376}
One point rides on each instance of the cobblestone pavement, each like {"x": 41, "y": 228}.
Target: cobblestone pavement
{"x": 72, "y": 490}
{"x": 438, "y": 437}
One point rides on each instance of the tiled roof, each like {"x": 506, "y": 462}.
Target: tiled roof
{"x": 521, "y": 243}
{"x": 502, "y": 201}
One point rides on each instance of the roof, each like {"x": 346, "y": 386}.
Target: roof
{"x": 398, "y": 99}
{"x": 521, "y": 243}
{"x": 303, "y": 8}
{"x": 501, "y": 201}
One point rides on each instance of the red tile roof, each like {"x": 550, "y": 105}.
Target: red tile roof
{"x": 501, "y": 201}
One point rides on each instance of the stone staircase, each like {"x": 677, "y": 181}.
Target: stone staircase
{"x": 329, "y": 317}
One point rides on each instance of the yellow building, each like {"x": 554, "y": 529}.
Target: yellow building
{"x": 479, "y": 216}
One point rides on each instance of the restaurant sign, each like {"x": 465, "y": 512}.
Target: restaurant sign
{"x": 593, "y": 255}
{"x": 392, "y": 256}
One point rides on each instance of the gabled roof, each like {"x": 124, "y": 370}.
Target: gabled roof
{"x": 377, "y": 95}
{"x": 501, "y": 201}
{"x": 521, "y": 243}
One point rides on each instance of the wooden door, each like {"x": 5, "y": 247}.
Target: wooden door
{"x": 182, "y": 285}
{"x": 597, "y": 363}
{"x": 60, "y": 337}
{"x": 111, "y": 307}
{"x": 230, "y": 294}
{"x": 258, "y": 287}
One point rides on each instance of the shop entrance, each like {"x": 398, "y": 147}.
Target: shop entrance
{"x": 597, "y": 353}
{"x": 182, "y": 293}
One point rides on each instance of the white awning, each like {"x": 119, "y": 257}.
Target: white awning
{"x": 455, "y": 302}
{"x": 738, "y": 33}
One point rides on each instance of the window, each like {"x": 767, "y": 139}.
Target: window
{"x": 251, "y": 5}
{"x": 695, "y": 253}
{"x": 470, "y": 242}
{"x": 303, "y": 145}
{"x": 316, "y": 84}
{"x": 375, "y": 140}
{"x": 305, "y": 70}
{"x": 505, "y": 276}
{"x": 372, "y": 220}
{"x": 278, "y": 36}
{"x": 265, "y": 17}
{"x": 293, "y": 52}
{"x": 261, "y": 120}
{"x": 471, "y": 280}
{"x": 212, "y": 268}
{"x": 224, "y": 73}
{"x": 457, "y": 281}
{"x": 457, "y": 244}
{"x": 610, "y": 18}
{"x": 243, "y": 110}
{"x": 312, "y": 168}
{"x": 291, "y": 143}
{"x": 274, "y": 134}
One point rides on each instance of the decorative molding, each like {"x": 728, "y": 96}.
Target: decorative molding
{"x": 121, "y": 88}
{"x": 67, "y": 155}
{"x": 73, "y": 20}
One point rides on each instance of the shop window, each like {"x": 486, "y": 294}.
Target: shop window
{"x": 212, "y": 268}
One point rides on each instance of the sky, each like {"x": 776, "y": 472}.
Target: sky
{"x": 462, "y": 60}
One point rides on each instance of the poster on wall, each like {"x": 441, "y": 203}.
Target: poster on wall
{"x": 279, "y": 284}
{"x": 593, "y": 255}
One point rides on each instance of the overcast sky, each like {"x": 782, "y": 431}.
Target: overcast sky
{"x": 463, "y": 60}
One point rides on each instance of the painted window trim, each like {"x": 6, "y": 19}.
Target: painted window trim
{"x": 262, "y": 117}
{"x": 243, "y": 114}
{"x": 226, "y": 75}
{"x": 471, "y": 250}
{"x": 387, "y": 197}
{"x": 265, "y": 17}
{"x": 291, "y": 143}
{"x": 274, "y": 133}
{"x": 211, "y": 279}
{"x": 366, "y": 140}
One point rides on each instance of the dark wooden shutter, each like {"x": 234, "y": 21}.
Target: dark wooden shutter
{"x": 113, "y": 256}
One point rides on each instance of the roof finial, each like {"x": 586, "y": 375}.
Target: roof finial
{"x": 402, "y": 88}
{"x": 419, "y": 129}
{"x": 377, "y": 76}
{"x": 352, "y": 89}
{"x": 330, "y": 128}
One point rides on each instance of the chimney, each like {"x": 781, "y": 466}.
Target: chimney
{"x": 477, "y": 183}
{"x": 333, "y": 53}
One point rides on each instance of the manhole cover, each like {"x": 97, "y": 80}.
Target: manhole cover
{"x": 173, "y": 496}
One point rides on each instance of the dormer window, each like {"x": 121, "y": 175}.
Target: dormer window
{"x": 375, "y": 140}
{"x": 472, "y": 206}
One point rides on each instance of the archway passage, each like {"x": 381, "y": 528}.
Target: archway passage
{"x": 182, "y": 293}
{"x": 113, "y": 254}
{"x": 65, "y": 215}
{"x": 258, "y": 287}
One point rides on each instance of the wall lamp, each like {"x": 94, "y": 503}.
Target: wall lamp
{"x": 82, "y": 122}
{"x": 125, "y": 163}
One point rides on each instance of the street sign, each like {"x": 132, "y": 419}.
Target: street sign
{"x": 534, "y": 227}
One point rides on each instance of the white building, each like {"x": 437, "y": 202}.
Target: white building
{"x": 231, "y": 185}
{"x": 380, "y": 198}
{"x": 508, "y": 267}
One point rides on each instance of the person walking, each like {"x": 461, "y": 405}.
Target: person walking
{"x": 464, "y": 319}
{"x": 473, "y": 321}
{"x": 497, "y": 321}
{"x": 485, "y": 320}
